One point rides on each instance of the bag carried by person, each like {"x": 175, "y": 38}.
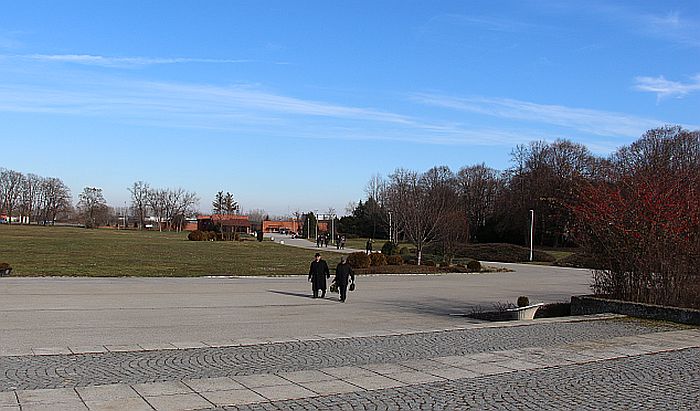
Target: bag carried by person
{"x": 352, "y": 286}
{"x": 334, "y": 287}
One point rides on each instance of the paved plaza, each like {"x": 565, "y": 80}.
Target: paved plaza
{"x": 262, "y": 344}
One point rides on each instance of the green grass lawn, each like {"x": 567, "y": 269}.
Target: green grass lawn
{"x": 67, "y": 251}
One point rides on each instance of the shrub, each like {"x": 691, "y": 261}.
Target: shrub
{"x": 523, "y": 301}
{"x": 444, "y": 264}
{"x": 237, "y": 237}
{"x": 578, "y": 260}
{"x": 473, "y": 265}
{"x": 403, "y": 250}
{"x": 394, "y": 260}
{"x": 359, "y": 260}
{"x": 554, "y": 310}
{"x": 377, "y": 259}
{"x": 198, "y": 235}
{"x": 389, "y": 248}
{"x": 506, "y": 253}
{"x": 5, "y": 266}
{"x": 429, "y": 263}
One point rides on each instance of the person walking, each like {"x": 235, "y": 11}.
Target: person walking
{"x": 318, "y": 272}
{"x": 343, "y": 276}
{"x": 368, "y": 246}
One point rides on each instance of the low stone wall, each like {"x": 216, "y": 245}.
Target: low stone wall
{"x": 587, "y": 304}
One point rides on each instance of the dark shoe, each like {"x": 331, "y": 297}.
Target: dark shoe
{"x": 323, "y": 295}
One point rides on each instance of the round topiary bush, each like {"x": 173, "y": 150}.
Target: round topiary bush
{"x": 394, "y": 260}
{"x": 403, "y": 250}
{"x": 359, "y": 260}
{"x": 198, "y": 235}
{"x": 377, "y": 259}
{"x": 474, "y": 265}
{"x": 390, "y": 248}
{"x": 523, "y": 301}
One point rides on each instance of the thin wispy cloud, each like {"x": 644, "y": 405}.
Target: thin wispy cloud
{"x": 664, "y": 88}
{"x": 488, "y": 23}
{"x": 242, "y": 109}
{"x": 601, "y": 123}
{"x": 123, "y": 62}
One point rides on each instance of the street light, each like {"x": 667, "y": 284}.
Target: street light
{"x": 316, "y": 220}
{"x": 532, "y": 232}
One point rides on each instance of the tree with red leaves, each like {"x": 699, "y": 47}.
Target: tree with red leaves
{"x": 643, "y": 224}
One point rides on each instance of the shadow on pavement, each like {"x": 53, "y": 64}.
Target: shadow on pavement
{"x": 291, "y": 293}
{"x": 436, "y": 306}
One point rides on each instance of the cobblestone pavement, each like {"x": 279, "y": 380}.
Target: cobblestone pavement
{"x": 617, "y": 363}
{"x": 62, "y": 371}
{"x": 665, "y": 381}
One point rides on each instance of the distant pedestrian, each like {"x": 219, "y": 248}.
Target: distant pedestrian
{"x": 343, "y": 276}
{"x": 318, "y": 241}
{"x": 318, "y": 272}
{"x": 368, "y": 246}
{"x": 342, "y": 242}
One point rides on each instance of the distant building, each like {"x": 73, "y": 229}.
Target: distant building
{"x": 230, "y": 223}
{"x": 289, "y": 226}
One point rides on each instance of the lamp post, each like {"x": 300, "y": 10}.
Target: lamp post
{"x": 391, "y": 238}
{"x": 316, "y": 220}
{"x": 532, "y": 232}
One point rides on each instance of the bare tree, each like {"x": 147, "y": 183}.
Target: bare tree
{"x": 156, "y": 201}
{"x": 54, "y": 198}
{"x": 182, "y": 204}
{"x": 91, "y": 204}
{"x": 139, "y": 201}
{"x": 421, "y": 203}
{"x": 29, "y": 195}
{"x": 478, "y": 187}
{"x": 256, "y": 215}
{"x": 10, "y": 191}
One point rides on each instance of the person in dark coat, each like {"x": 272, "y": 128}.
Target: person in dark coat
{"x": 343, "y": 277}
{"x": 318, "y": 272}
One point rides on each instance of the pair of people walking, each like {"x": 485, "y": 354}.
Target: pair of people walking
{"x": 319, "y": 272}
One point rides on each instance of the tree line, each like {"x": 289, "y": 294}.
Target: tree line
{"x": 29, "y": 199}
{"x": 482, "y": 205}
{"x": 169, "y": 207}
{"x": 33, "y": 198}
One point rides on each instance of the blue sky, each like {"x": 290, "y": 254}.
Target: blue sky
{"x": 295, "y": 105}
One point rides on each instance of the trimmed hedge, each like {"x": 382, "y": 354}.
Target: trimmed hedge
{"x": 198, "y": 235}
{"x": 578, "y": 260}
{"x": 390, "y": 248}
{"x": 506, "y": 253}
{"x": 377, "y": 259}
{"x": 394, "y": 260}
{"x": 359, "y": 260}
{"x": 473, "y": 265}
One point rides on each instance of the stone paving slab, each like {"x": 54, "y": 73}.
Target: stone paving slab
{"x": 64, "y": 371}
{"x": 311, "y": 389}
{"x": 663, "y": 381}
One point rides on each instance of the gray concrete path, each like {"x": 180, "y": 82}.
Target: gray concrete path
{"x": 240, "y": 343}
{"x": 45, "y": 314}
{"x": 304, "y": 243}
